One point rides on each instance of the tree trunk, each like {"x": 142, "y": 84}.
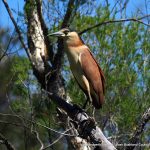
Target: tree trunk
{"x": 49, "y": 77}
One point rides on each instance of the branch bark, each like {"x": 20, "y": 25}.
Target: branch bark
{"x": 115, "y": 21}
{"x": 49, "y": 46}
{"x": 35, "y": 35}
{"x": 85, "y": 125}
{"x": 60, "y": 53}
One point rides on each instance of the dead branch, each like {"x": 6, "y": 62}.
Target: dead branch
{"x": 115, "y": 21}
{"x": 85, "y": 125}
{"x": 7, "y": 48}
{"x": 60, "y": 137}
{"x": 139, "y": 130}
{"x": 4, "y": 141}
{"x": 38, "y": 138}
{"x": 17, "y": 28}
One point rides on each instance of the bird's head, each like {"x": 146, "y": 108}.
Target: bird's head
{"x": 65, "y": 32}
{"x": 68, "y": 36}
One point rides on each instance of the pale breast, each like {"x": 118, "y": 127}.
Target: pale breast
{"x": 73, "y": 54}
{"x": 78, "y": 74}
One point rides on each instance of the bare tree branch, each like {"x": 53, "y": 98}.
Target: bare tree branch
{"x": 59, "y": 55}
{"x": 5, "y": 52}
{"x": 31, "y": 121}
{"x": 85, "y": 125}
{"x": 139, "y": 130}
{"x": 68, "y": 13}
{"x": 17, "y": 28}
{"x": 38, "y": 138}
{"x": 61, "y": 136}
{"x": 3, "y": 140}
{"x": 114, "y": 21}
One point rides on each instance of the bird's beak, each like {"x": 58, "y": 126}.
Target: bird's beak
{"x": 57, "y": 34}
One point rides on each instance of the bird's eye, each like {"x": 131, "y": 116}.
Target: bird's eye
{"x": 66, "y": 32}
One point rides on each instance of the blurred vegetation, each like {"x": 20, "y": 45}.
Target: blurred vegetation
{"x": 121, "y": 49}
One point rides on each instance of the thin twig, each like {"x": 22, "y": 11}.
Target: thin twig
{"x": 5, "y": 52}
{"x": 38, "y": 138}
{"x": 17, "y": 28}
{"x": 36, "y": 133}
{"x": 61, "y": 136}
{"x": 114, "y": 21}
{"x": 54, "y": 130}
{"x": 39, "y": 124}
{"x": 139, "y": 130}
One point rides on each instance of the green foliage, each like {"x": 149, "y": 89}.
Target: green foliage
{"x": 29, "y": 7}
{"x": 121, "y": 50}
{"x": 20, "y": 106}
{"x": 20, "y": 70}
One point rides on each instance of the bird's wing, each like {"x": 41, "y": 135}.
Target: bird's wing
{"x": 92, "y": 71}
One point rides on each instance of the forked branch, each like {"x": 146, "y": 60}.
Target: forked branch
{"x": 139, "y": 130}
{"x": 17, "y": 28}
{"x": 85, "y": 125}
{"x": 4, "y": 141}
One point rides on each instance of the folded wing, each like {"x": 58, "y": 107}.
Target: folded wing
{"x": 94, "y": 75}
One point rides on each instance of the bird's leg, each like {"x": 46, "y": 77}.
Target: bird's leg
{"x": 90, "y": 102}
{"x": 88, "y": 94}
{"x": 93, "y": 112}
{"x": 89, "y": 99}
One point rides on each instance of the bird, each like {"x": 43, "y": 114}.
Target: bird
{"x": 84, "y": 66}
